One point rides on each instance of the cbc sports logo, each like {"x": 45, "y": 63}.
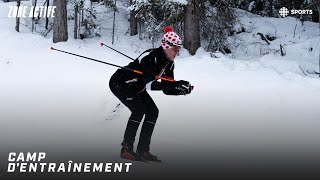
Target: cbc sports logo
{"x": 285, "y": 11}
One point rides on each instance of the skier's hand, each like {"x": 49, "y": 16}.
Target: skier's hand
{"x": 177, "y": 88}
{"x": 184, "y": 87}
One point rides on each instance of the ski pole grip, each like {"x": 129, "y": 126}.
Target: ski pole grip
{"x": 138, "y": 72}
{"x": 165, "y": 79}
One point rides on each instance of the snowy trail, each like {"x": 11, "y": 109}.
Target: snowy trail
{"x": 71, "y": 96}
{"x": 57, "y": 103}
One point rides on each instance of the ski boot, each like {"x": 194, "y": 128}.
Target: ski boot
{"x": 146, "y": 155}
{"x": 128, "y": 153}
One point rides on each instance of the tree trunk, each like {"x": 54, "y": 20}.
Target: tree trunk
{"x": 47, "y": 19}
{"x": 76, "y": 21}
{"x": 34, "y": 4}
{"x": 271, "y": 8}
{"x": 133, "y": 22}
{"x": 191, "y": 26}
{"x": 114, "y": 20}
{"x": 319, "y": 14}
{"x": 60, "y": 27}
{"x": 18, "y": 19}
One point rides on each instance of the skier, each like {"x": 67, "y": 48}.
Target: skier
{"x": 130, "y": 89}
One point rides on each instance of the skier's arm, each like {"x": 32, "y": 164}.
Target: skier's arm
{"x": 172, "y": 88}
{"x": 147, "y": 66}
{"x": 162, "y": 85}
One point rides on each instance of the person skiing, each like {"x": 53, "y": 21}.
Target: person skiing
{"x": 130, "y": 89}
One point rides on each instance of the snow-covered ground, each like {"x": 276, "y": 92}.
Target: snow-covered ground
{"x": 54, "y": 102}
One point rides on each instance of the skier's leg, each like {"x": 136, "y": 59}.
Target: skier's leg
{"x": 137, "y": 109}
{"x": 147, "y": 129}
{"x": 149, "y": 122}
{"x": 129, "y": 98}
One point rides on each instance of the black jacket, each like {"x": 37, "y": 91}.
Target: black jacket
{"x": 154, "y": 64}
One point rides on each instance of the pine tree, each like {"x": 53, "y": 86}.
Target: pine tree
{"x": 90, "y": 25}
{"x": 154, "y": 15}
{"x": 217, "y": 25}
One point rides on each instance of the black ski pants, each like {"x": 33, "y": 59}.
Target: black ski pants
{"x": 140, "y": 104}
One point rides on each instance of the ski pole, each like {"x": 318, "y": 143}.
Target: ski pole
{"x": 125, "y": 68}
{"x": 102, "y": 44}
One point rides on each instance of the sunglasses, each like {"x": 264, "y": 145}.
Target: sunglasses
{"x": 179, "y": 43}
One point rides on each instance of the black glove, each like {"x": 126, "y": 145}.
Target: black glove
{"x": 184, "y": 87}
{"x": 177, "y": 88}
{"x": 165, "y": 85}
